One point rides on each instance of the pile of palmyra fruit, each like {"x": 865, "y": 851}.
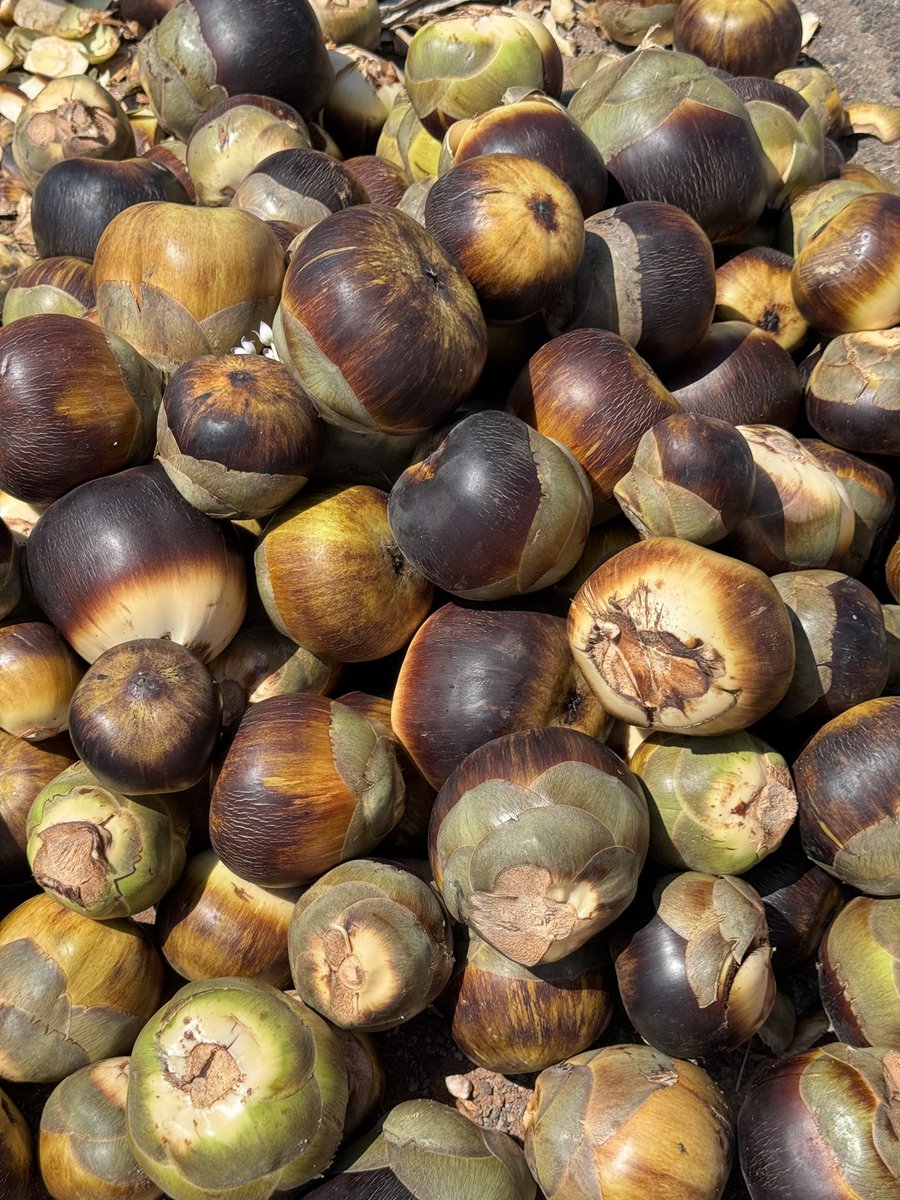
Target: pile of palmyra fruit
{"x": 448, "y": 557}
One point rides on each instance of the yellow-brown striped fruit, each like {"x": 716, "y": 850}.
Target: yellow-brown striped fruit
{"x": 755, "y": 286}
{"x": 307, "y": 783}
{"x": 743, "y": 37}
{"x": 537, "y": 127}
{"x": 515, "y": 1019}
{"x": 237, "y": 435}
{"x": 51, "y": 285}
{"x": 381, "y": 327}
{"x": 333, "y": 579}
{"x": 591, "y": 391}
{"x": 38, "y": 676}
{"x": 483, "y": 206}
{"x": 213, "y": 923}
{"x": 177, "y": 281}
{"x": 845, "y": 277}
{"x": 16, "y": 1154}
{"x": 25, "y": 768}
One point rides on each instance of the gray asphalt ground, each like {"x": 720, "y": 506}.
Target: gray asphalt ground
{"x": 859, "y": 43}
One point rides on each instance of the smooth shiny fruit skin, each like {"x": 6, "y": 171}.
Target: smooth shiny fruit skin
{"x": 737, "y": 373}
{"x": 538, "y": 128}
{"x": 692, "y": 478}
{"x": 219, "y": 48}
{"x": 845, "y": 278}
{"x": 516, "y": 1020}
{"x": 687, "y": 987}
{"x": 25, "y": 768}
{"x": 482, "y": 201}
{"x": 382, "y": 328}
{"x": 801, "y": 1114}
{"x": 847, "y": 784}
{"x": 222, "y": 1059}
{"x": 471, "y": 675}
{"x": 76, "y": 199}
{"x": 625, "y": 1122}
{"x": 145, "y": 717}
{"x": 743, "y": 37}
{"x": 94, "y": 401}
{"x": 592, "y": 392}
{"x": 499, "y": 486}
{"x": 156, "y": 567}
{"x": 853, "y": 393}
{"x": 213, "y": 923}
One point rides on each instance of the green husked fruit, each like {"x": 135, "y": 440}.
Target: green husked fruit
{"x": 236, "y": 1091}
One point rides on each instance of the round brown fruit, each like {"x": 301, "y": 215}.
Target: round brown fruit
{"x": 145, "y": 717}
{"x": 664, "y": 636}
{"x": 333, "y": 579}
{"x": 485, "y": 205}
